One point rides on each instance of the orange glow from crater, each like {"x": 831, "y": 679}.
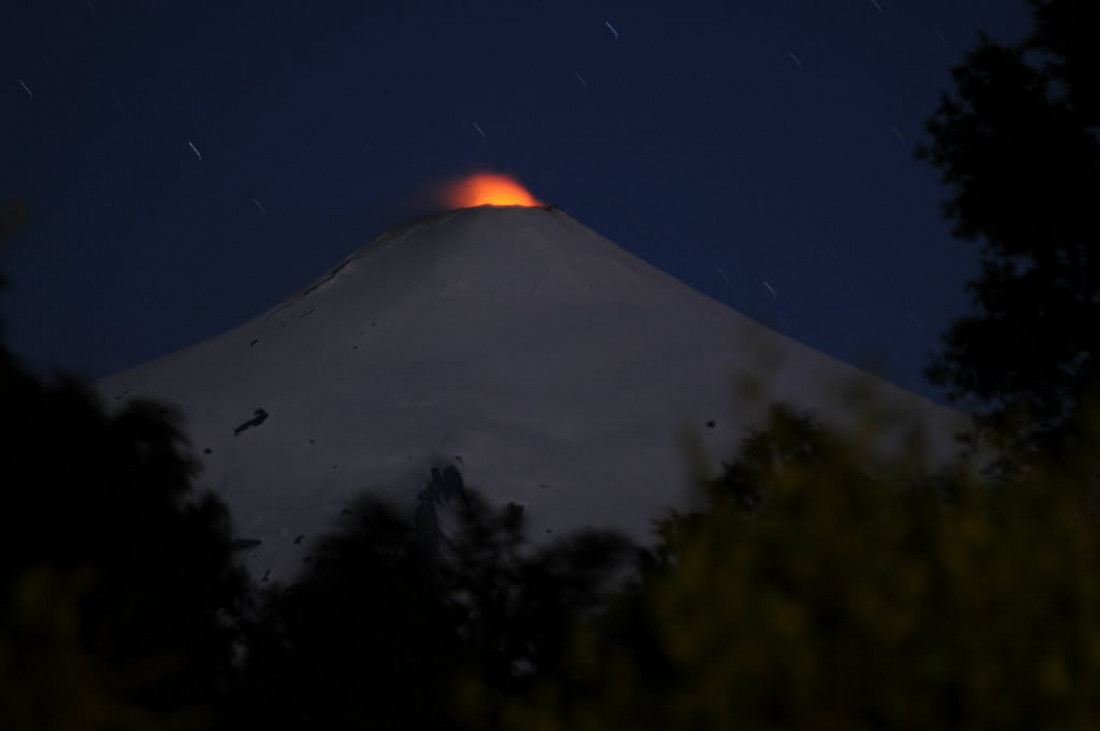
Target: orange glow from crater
{"x": 488, "y": 189}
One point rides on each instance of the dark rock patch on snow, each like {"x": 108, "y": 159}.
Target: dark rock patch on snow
{"x": 443, "y": 487}
{"x": 259, "y": 418}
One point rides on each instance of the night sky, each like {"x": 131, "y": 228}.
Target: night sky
{"x": 190, "y": 164}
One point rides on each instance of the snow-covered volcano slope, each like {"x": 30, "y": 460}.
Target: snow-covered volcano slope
{"x": 551, "y": 365}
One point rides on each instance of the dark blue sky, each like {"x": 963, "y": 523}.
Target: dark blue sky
{"x": 730, "y": 143}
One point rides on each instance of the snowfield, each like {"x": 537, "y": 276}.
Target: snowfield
{"x": 556, "y": 370}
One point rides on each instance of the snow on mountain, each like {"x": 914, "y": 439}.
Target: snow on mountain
{"x": 553, "y": 367}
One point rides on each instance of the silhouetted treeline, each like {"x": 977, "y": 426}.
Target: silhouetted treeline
{"x": 1017, "y": 143}
{"x": 382, "y": 627}
{"x": 850, "y": 591}
{"x": 99, "y": 507}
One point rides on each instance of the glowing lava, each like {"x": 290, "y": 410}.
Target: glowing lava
{"x": 488, "y": 189}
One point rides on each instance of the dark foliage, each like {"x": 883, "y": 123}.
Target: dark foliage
{"x": 853, "y": 594}
{"x": 521, "y": 604}
{"x": 395, "y": 611}
{"x": 364, "y": 638}
{"x": 1017, "y": 145}
{"x": 14, "y": 215}
{"x": 109, "y": 496}
{"x": 792, "y": 439}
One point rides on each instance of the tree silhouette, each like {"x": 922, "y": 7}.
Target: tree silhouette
{"x": 118, "y": 592}
{"x": 14, "y": 215}
{"x": 852, "y": 596}
{"x": 397, "y": 615}
{"x": 1017, "y": 145}
{"x": 520, "y": 605}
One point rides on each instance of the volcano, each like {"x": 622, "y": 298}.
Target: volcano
{"x": 553, "y": 368}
